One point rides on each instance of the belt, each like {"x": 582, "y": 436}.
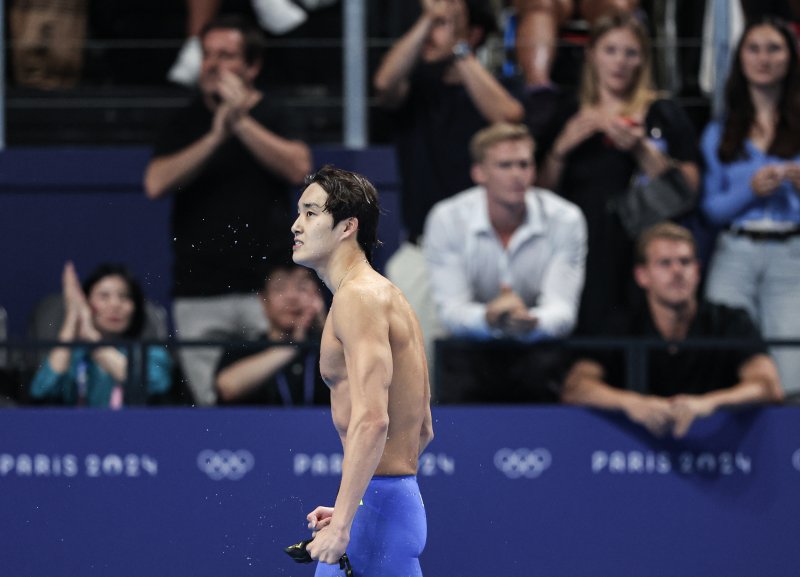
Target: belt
{"x": 781, "y": 235}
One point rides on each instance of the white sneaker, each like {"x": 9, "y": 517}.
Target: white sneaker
{"x": 186, "y": 69}
{"x": 278, "y": 16}
{"x": 317, "y": 4}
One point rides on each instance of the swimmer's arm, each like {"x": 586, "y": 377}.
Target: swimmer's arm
{"x": 360, "y": 322}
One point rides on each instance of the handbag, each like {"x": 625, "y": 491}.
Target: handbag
{"x": 650, "y": 201}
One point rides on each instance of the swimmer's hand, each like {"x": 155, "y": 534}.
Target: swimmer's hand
{"x": 329, "y": 544}
{"x": 319, "y": 518}
{"x": 299, "y": 552}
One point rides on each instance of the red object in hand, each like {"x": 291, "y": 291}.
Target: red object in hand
{"x": 630, "y": 121}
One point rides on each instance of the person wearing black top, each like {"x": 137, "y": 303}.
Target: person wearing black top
{"x": 229, "y": 164}
{"x": 280, "y": 370}
{"x": 682, "y": 384}
{"x": 439, "y": 95}
{"x": 621, "y": 130}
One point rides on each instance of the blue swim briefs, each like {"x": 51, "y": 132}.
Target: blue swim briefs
{"x": 388, "y": 533}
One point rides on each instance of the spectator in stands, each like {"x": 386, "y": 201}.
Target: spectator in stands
{"x": 506, "y": 262}
{"x": 228, "y": 160}
{"x": 440, "y": 95}
{"x": 752, "y": 188}
{"x": 285, "y": 373}
{"x": 275, "y": 16}
{"x": 538, "y": 22}
{"x": 536, "y": 45}
{"x": 723, "y": 25}
{"x": 621, "y": 128}
{"x": 682, "y": 384}
{"x": 110, "y": 306}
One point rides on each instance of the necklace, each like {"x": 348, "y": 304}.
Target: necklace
{"x": 347, "y": 272}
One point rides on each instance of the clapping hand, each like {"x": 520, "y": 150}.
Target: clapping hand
{"x": 74, "y": 299}
{"x": 312, "y": 316}
{"x": 78, "y": 321}
{"x": 76, "y": 307}
{"x": 234, "y": 98}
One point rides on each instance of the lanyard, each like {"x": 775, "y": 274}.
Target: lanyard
{"x": 308, "y": 382}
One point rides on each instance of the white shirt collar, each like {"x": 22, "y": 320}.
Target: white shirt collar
{"x": 535, "y": 219}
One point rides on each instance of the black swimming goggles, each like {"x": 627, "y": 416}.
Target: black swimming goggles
{"x": 299, "y": 553}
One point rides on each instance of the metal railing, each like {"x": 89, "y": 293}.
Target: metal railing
{"x": 634, "y": 350}
{"x": 24, "y": 356}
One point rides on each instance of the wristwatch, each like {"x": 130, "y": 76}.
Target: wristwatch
{"x": 461, "y": 49}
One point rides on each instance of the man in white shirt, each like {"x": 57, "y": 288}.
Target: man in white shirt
{"x": 506, "y": 262}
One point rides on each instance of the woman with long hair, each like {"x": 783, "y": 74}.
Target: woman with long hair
{"x": 109, "y": 306}
{"x": 752, "y": 188}
{"x": 622, "y": 128}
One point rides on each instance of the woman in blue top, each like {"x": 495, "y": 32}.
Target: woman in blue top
{"x": 752, "y": 188}
{"x": 109, "y": 306}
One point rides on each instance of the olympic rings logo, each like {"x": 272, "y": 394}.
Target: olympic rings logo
{"x": 518, "y": 463}
{"x": 219, "y": 465}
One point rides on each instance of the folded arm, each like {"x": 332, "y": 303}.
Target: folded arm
{"x": 585, "y": 385}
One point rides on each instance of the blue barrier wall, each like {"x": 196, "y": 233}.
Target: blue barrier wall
{"x": 88, "y": 205}
{"x": 556, "y": 492}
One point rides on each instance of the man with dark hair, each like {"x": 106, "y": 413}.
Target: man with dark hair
{"x": 351, "y": 195}
{"x": 284, "y": 368}
{"x": 682, "y": 384}
{"x": 229, "y": 162}
{"x": 439, "y": 95}
{"x": 372, "y": 358}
